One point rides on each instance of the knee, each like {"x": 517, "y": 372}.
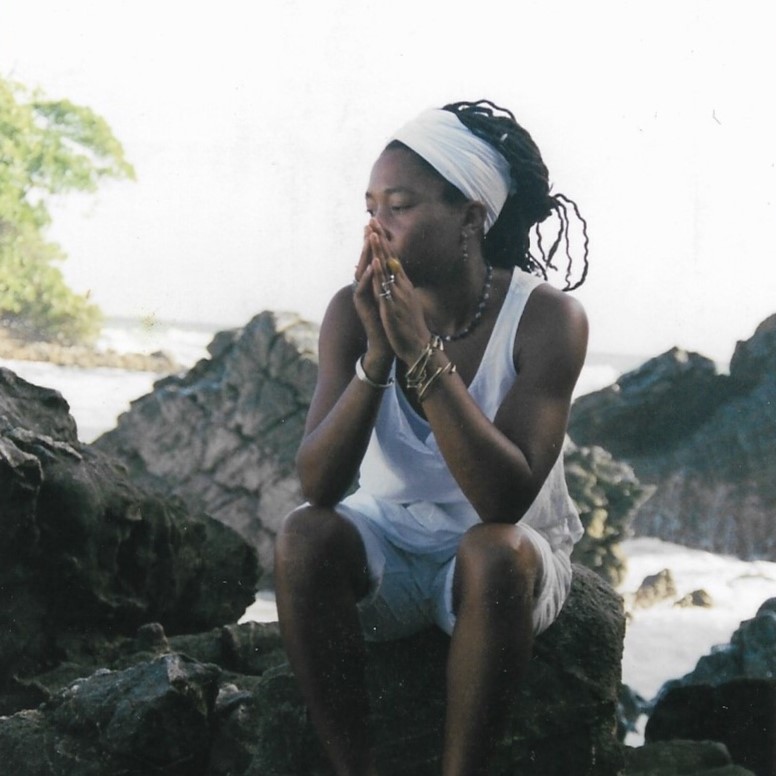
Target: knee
{"x": 496, "y": 564}
{"x": 315, "y": 543}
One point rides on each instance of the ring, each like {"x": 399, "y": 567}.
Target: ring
{"x": 386, "y": 294}
{"x": 386, "y": 284}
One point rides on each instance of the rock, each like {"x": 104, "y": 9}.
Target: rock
{"x": 217, "y": 721}
{"x": 700, "y": 598}
{"x": 740, "y": 713}
{"x": 655, "y": 588}
{"x": 607, "y": 495}
{"x": 671, "y": 758}
{"x": 87, "y": 555}
{"x": 224, "y": 436}
{"x": 751, "y": 654}
{"x": 705, "y": 441}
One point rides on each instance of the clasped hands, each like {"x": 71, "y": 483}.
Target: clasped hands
{"x": 386, "y": 300}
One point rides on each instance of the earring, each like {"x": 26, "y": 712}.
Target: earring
{"x": 465, "y": 246}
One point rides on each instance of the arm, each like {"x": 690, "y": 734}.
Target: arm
{"x": 501, "y": 466}
{"x": 343, "y": 409}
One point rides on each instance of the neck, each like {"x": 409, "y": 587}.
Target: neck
{"x": 452, "y": 305}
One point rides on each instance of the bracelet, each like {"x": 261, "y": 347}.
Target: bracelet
{"x": 364, "y": 377}
{"x": 448, "y": 368}
{"x": 416, "y": 375}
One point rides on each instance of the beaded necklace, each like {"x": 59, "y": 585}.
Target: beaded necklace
{"x": 481, "y": 304}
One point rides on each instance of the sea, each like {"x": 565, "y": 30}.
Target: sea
{"x": 662, "y": 642}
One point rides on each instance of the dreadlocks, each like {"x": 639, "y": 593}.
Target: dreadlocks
{"x": 508, "y": 242}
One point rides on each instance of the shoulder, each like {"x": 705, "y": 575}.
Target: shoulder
{"x": 341, "y": 322}
{"x": 553, "y": 331}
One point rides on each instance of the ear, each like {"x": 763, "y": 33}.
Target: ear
{"x": 474, "y": 217}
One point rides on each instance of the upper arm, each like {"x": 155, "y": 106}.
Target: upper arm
{"x": 550, "y": 350}
{"x": 341, "y": 341}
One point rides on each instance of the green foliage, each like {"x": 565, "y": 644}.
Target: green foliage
{"x": 47, "y": 147}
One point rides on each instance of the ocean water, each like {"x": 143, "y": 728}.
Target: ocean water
{"x": 662, "y": 642}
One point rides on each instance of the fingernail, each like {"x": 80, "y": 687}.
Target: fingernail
{"x": 394, "y": 264}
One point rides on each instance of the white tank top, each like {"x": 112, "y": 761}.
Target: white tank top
{"x": 403, "y": 464}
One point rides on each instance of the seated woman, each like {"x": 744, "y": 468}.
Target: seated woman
{"x": 445, "y": 380}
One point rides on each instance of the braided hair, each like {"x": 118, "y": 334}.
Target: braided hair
{"x": 508, "y": 242}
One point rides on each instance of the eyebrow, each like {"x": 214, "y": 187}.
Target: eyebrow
{"x": 394, "y": 190}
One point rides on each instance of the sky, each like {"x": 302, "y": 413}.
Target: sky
{"x": 253, "y": 128}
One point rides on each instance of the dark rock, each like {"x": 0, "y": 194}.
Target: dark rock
{"x": 740, "y": 713}
{"x": 174, "y": 715}
{"x": 655, "y": 588}
{"x": 751, "y": 653}
{"x": 607, "y": 495}
{"x": 672, "y": 758}
{"x": 224, "y": 436}
{"x": 87, "y": 555}
{"x": 631, "y": 706}
{"x": 706, "y": 441}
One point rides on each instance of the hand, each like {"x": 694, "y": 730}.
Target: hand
{"x": 401, "y": 313}
{"x": 366, "y": 303}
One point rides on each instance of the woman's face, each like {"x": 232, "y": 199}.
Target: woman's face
{"x": 408, "y": 200}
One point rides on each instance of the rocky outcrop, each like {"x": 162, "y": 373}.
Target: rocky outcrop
{"x": 706, "y": 441}
{"x": 87, "y": 555}
{"x": 607, "y": 495}
{"x": 225, "y": 702}
{"x": 675, "y": 758}
{"x": 223, "y": 437}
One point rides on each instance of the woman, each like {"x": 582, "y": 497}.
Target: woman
{"x": 445, "y": 380}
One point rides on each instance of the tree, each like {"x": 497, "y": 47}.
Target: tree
{"x": 47, "y": 148}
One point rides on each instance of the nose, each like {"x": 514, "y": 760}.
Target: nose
{"x": 378, "y": 223}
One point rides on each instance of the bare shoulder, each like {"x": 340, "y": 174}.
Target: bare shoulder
{"x": 552, "y": 333}
{"x": 341, "y": 327}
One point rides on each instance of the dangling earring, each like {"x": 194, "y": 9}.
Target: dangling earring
{"x": 465, "y": 246}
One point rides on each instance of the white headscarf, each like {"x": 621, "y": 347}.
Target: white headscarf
{"x": 460, "y": 157}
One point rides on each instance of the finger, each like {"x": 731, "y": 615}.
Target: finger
{"x": 365, "y": 258}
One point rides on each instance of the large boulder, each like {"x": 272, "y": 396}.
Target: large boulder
{"x": 86, "y": 554}
{"x": 705, "y": 441}
{"x": 223, "y": 437}
{"x": 226, "y": 703}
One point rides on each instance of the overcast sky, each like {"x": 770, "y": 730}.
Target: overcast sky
{"x": 253, "y": 127}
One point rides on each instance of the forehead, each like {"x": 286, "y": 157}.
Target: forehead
{"x": 403, "y": 168}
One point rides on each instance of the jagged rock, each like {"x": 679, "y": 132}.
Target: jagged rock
{"x": 740, "y": 713}
{"x": 672, "y": 758}
{"x": 654, "y": 588}
{"x": 224, "y": 436}
{"x": 562, "y": 725}
{"x": 87, "y": 555}
{"x": 706, "y": 441}
{"x": 701, "y": 598}
{"x": 751, "y": 654}
{"x": 607, "y": 495}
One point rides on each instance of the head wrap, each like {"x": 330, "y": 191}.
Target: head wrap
{"x": 460, "y": 157}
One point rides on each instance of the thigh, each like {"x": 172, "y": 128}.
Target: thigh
{"x": 400, "y": 601}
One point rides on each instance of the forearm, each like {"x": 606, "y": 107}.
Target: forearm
{"x": 492, "y": 472}
{"x": 333, "y": 447}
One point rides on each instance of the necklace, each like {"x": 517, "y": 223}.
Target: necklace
{"x": 483, "y": 301}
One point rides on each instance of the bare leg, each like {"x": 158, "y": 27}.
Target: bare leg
{"x": 320, "y": 573}
{"x": 496, "y": 569}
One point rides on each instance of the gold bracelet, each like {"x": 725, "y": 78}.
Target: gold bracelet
{"x": 416, "y": 375}
{"x": 448, "y": 368}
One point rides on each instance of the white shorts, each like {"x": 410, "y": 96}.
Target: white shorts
{"x": 411, "y": 591}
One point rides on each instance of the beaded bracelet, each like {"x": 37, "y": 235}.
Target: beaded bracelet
{"x": 364, "y": 377}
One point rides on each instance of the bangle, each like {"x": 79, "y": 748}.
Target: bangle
{"x": 416, "y": 375}
{"x": 448, "y": 368}
{"x": 364, "y": 377}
